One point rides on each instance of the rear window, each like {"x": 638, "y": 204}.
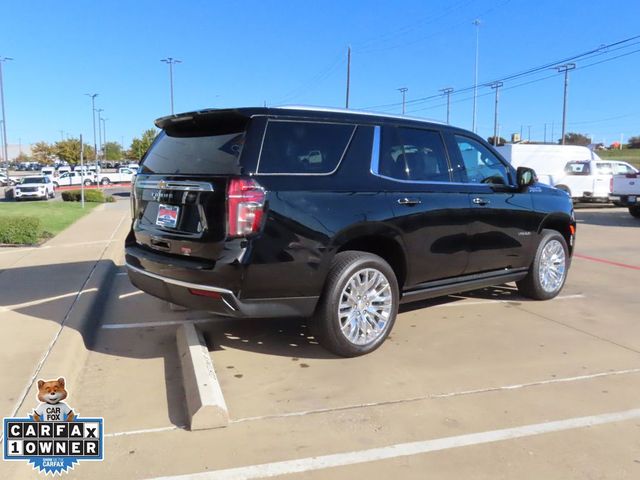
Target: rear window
{"x": 303, "y": 147}
{"x": 214, "y": 154}
{"x": 577, "y": 168}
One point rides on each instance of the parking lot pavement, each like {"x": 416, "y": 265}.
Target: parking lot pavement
{"x": 481, "y": 385}
{"x": 38, "y": 287}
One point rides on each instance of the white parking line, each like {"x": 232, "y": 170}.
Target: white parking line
{"x": 47, "y": 247}
{"x": 308, "y": 464}
{"x": 119, "y": 326}
{"x": 127, "y": 295}
{"x": 17, "y": 306}
{"x": 441, "y": 395}
{"x": 488, "y": 302}
{"x": 147, "y": 430}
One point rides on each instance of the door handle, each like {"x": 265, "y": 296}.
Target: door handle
{"x": 480, "y": 201}
{"x": 409, "y": 201}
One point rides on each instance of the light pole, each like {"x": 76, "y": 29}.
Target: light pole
{"x": 93, "y": 113}
{"x": 476, "y": 22}
{"x": 5, "y": 153}
{"x": 447, "y": 91}
{"x": 99, "y": 110}
{"x": 496, "y": 86}
{"x": 104, "y": 137}
{"x": 171, "y": 62}
{"x": 565, "y": 69}
{"x": 403, "y": 91}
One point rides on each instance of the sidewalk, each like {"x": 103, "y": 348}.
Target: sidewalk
{"x": 39, "y": 292}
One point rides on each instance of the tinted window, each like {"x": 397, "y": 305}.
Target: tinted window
{"x": 34, "y": 180}
{"x": 480, "y": 165}
{"x": 577, "y": 168}
{"x": 302, "y": 147}
{"x": 413, "y": 154}
{"x": 215, "y": 154}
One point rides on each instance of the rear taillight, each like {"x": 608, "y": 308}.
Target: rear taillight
{"x": 245, "y": 207}
{"x": 611, "y": 185}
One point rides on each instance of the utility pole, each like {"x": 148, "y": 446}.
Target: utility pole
{"x": 104, "y": 136}
{"x": 447, "y": 91}
{"x": 348, "y": 75}
{"x": 403, "y": 90}
{"x": 529, "y": 126}
{"x": 99, "y": 110}
{"x": 545, "y": 133}
{"x": 553, "y": 130}
{"x": 496, "y": 86}
{"x": 565, "y": 69}
{"x": 476, "y": 22}
{"x": 93, "y": 112}
{"x": 81, "y": 172}
{"x": 5, "y": 149}
{"x": 171, "y": 62}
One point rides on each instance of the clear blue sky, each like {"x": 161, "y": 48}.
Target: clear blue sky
{"x": 243, "y": 53}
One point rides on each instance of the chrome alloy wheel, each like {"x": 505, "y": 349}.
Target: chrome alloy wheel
{"x": 552, "y": 266}
{"x": 365, "y": 306}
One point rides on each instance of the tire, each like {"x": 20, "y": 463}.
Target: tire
{"x": 105, "y": 181}
{"x": 541, "y": 283}
{"x": 328, "y": 323}
{"x": 635, "y": 211}
{"x": 87, "y": 183}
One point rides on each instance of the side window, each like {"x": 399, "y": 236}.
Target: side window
{"x": 413, "y": 155}
{"x": 604, "y": 168}
{"x": 480, "y": 165}
{"x": 622, "y": 168}
{"x": 303, "y": 147}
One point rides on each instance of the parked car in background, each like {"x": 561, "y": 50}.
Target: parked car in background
{"x": 625, "y": 191}
{"x": 74, "y": 178}
{"x": 49, "y": 171}
{"x": 575, "y": 169}
{"x": 123, "y": 175}
{"x": 64, "y": 169}
{"x": 6, "y": 180}
{"x": 39, "y": 186}
{"x": 591, "y": 180}
{"x": 336, "y": 215}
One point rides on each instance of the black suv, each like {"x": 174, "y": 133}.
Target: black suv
{"x": 336, "y": 215}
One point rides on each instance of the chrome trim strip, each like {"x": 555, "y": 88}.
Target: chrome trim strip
{"x": 181, "y": 185}
{"x": 180, "y": 283}
{"x": 290, "y": 174}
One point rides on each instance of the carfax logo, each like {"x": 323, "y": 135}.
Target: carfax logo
{"x": 53, "y": 438}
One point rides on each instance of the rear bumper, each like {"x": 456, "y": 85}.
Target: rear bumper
{"x": 625, "y": 200}
{"x": 217, "y": 299}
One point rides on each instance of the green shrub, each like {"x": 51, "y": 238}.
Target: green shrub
{"x": 110, "y": 199}
{"x": 89, "y": 196}
{"x": 19, "y": 230}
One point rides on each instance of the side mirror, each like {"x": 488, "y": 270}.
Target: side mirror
{"x": 526, "y": 177}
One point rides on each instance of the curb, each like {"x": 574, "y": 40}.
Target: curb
{"x": 206, "y": 407}
{"x": 70, "y": 349}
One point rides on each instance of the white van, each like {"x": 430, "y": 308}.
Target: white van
{"x": 572, "y": 168}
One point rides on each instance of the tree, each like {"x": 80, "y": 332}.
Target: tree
{"x": 139, "y": 146}
{"x": 69, "y": 150}
{"x": 23, "y": 157}
{"x": 501, "y": 141}
{"x": 575, "y": 139}
{"x": 634, "y": 142}
{"x": 43, "y": 153}
{"x": 113, "y": 151}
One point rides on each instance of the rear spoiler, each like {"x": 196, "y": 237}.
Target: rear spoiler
{"x": 205, "y": 122}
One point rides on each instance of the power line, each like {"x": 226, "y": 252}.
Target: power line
{"x": 601, "y": 50}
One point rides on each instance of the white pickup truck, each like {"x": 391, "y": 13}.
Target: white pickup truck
{"x": 625, "y": 191}
{"x": 74, "y": 178}
{"x": 123, "y": 175}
